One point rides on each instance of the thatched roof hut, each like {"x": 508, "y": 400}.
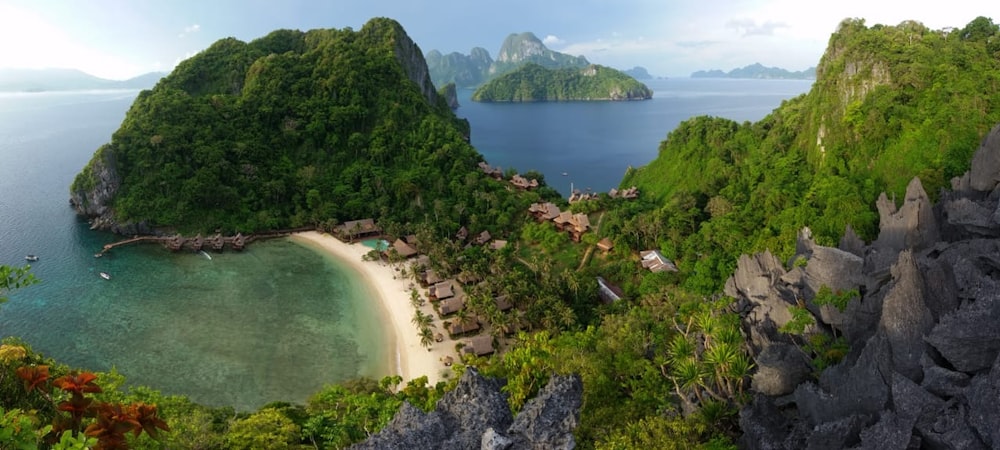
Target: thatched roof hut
{"x": 480, "y": 345}
{"x": 466, "y": 326}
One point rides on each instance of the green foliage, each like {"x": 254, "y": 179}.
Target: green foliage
{"x": 533, "y": 83}
{"x": 801, "y": 320}
{"x": 889, "y": 103}
{"x": 267, "y": 428}
{"x": 291, "y": 130}
{"x": 839, "y": 299}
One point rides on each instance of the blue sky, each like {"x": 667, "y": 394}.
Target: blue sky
{"x": 123, "y": 38}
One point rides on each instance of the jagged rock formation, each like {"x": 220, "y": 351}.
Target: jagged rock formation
{"x": 478, "y": 67}
{"x": 475, "y": 415}
{"x": 924, "y": 366}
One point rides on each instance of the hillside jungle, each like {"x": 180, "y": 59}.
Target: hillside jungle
{"x": 665, "y": 367}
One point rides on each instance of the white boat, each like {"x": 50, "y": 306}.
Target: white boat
{"x": 105, "y": 276}
{"x": 31, "y": 258}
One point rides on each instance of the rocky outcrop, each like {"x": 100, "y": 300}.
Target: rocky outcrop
{"x": 924, "y": 366}
{"x": 475, "y": 415}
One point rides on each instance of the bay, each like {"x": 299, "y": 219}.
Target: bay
{"x": 595, "y": 142}
{"x": 279, "y": 321}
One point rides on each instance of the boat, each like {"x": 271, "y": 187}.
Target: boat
{"x": 105, "y": 276}
{"x": 565, "y": 174}
{"x": 31, "y": 258}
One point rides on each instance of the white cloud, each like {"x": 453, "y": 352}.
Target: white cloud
{"x": 750, "y": 27}
{"x": 552, "y": 40}
{"x": 190, "y": 29}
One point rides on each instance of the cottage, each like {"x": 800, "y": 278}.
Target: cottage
{"x": 465, "y": 326}
{"x": 608, "y": 292}
{"x": 523, "y": 183}
{"x": 462, "y": 234}
{"x": 442, "y": 290}
{"x": 197, "y": 242}
{"x": 605, "y": 245}
{"x": 574, "y": 224}
{"x": 494, "y": 172}
{"x": 482, "y": 238}
{"x": 239, "y": 242}
{"x": 498, "y": 244}
{"x": 175, "y": 243}
{"x": 354, "y": 229}
{"x": 217, "y": 242}
{"x": 481, "y": 345}
{"x": 431, "y": 277}
{"x": 544, "y": 212}
{"x": 451, "y": 306}
{"x": 656, "y": 262}
{"x": 402, "y": 249}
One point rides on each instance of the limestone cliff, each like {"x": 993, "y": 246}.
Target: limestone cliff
{"x": 923, "y": 369}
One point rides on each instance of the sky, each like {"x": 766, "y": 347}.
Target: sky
{"x": 119, "y": 39}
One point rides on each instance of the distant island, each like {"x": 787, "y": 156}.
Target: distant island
{"x": 478, "y": 67}
{"x": 758, "y": 71}
{"x": 639, "y": 73}
{"x": 41, "y": 80}
{"x": 534, "y": 83}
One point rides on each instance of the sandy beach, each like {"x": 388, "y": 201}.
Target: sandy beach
{"x": 393, "y": 293}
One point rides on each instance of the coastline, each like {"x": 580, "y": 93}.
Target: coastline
{"x": 392, "y": 294}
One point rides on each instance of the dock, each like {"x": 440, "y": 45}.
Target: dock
{"x": 217, "y": 242}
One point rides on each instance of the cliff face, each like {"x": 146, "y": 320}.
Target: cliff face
{"x": 924, "y": 359}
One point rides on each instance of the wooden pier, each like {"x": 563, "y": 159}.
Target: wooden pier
{"x": 217, "y": 242}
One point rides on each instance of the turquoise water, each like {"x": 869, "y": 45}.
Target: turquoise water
{"x": 276, "y": 322}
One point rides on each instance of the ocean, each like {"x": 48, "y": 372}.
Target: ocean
{"x": 280, "y": 320}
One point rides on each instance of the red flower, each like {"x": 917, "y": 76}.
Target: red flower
{"x": 33, "y": 376}
{"x": 77, "y": 383}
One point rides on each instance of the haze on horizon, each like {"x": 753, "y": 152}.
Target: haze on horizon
{"x": 120, "y": 39}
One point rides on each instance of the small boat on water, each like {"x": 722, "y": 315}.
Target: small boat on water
{"x": 105, "y": 276}
{"x": 31, "y": 258}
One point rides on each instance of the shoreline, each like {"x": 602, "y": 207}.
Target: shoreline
{"x": 392, "y": 295}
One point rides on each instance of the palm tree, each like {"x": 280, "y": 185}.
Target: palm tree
{"x": 426, "y": 337}
{"x": 422, "y": 320}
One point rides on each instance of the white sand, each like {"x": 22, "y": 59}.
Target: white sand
{"x": 393, "y": 291}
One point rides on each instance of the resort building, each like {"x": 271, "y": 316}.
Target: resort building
{"x": 523, "y": 183}
{"x": 356, "y": 229}
{"x": 605, "y": 245}
{"x": 442, "y": 290}
{"x": 656, "y": 262}
{"x": 481, "y": 345}
{"x": 465, "y": 326}
{"x": 451, "y": 306}
{"x": 402, "y": 249}
{"x": 574, "y": 224}
{"x": 494, "y": 172}
{"x": 544, "y": 212}
{"x": 631, "y": 193}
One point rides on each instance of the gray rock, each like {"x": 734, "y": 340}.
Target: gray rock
{"x": 838, "y": 434}
{"x": 757, "y": 279}
{"x": 764, "y": 426}
{"x": 858, "y": 389}
{"x": 969, "y": 338}
{"x": 889, "y": 433}
{"x": 950, "y": 430}
{"x": 780, "y": 368}
{"x": 851, "y": 243}
{"x": 911, "y": 401}
{"x": 983, "y": 397}
{"x": 912, "y": 226}
{"x": 459, "y": 421}
{"x": 944, "y": 383}
{"x": 984, "y": 172}
{"x": 492, "y": 440}
{"x": 974, "y": 218}
{"x": 905, "y": 317}
{"x": 548, "y": 420}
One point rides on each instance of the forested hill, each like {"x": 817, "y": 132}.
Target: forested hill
{"x": 889, "y": 103}
{"x": 534, "y": 83}
{"x": 287, "y": 130}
